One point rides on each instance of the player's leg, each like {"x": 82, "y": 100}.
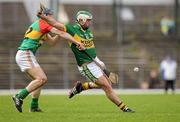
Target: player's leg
{"x": 173, "y": 86}
{"x": 27, "y": 63}
{"x": 89, "y": 85}
{"x": 92, "y": 72}
{"x": 39, "y": 80}
{"x": 35, "y": 98}
{"x": 79, "y": 87}
{"x": 34, "y": 102}
{"x": 166, "y": 86}
{"x": 169, "y": 84}
{"x": 105, "y": 85}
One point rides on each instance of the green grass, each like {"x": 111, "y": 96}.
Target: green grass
{"x": 94, "y": 108}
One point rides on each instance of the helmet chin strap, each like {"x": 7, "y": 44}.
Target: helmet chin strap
{"x": 82, "y": 25}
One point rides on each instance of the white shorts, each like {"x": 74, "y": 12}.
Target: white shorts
{"x": 91, "y": 71}
{"x": 25, "y": 59}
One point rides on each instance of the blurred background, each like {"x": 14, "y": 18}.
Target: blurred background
{"x": 128, "y": 34}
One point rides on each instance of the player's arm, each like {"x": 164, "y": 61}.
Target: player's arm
{"x": 50, "y": 20}
{"x": 68, "y": 37}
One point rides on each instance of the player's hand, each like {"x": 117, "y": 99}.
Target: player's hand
{"x": 40, "y": 14}
{"x": 81, "y": 47}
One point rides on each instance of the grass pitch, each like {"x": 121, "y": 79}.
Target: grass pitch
{"x": 94, "y": 108}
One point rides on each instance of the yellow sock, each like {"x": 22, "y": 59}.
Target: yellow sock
{"x": 93, "y": 85}
{"x": 89, "y": 85}
{"x": 85, "y": 86}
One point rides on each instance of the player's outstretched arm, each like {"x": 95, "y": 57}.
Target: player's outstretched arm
{"x": 50, "y": 20}
{"x": 68, "y": 37}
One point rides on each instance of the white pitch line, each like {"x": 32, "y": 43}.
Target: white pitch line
{"x": 93, "y": 92}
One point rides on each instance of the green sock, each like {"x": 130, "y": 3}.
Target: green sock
{"x": 34, "y": 103}
{"x": 23, "y": 94}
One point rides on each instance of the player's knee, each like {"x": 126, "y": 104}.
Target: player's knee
{"x": 43, "y": 79}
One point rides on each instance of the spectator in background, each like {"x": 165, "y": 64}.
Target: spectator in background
{"x": 153, "y": 79}
{"x": 168, "y": 69}
{"x": 167, "y": 25}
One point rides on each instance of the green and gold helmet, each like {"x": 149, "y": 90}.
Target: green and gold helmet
{"x": 84, "y": 15}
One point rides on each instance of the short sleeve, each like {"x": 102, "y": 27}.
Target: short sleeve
{"x": 70, "y": 29}
{"x": 44, "y": 26}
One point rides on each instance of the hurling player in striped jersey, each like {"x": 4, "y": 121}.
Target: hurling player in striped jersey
{"x": 87, "y": 67}
{"x": 37, "y": 33}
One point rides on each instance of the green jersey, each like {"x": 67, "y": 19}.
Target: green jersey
{"x": 35, "y": 35}
{"x": 85, "y": 37}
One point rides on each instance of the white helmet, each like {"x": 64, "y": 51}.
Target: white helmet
{"x": 84, "y": 15}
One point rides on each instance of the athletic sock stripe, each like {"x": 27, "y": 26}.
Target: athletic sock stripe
{"x": 122, "y": 106}
{"x": 119, "y": 104}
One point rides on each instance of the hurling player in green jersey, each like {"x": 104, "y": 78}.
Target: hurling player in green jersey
{"x": 37, "y": 33}
{"x": 87, "y": 67}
